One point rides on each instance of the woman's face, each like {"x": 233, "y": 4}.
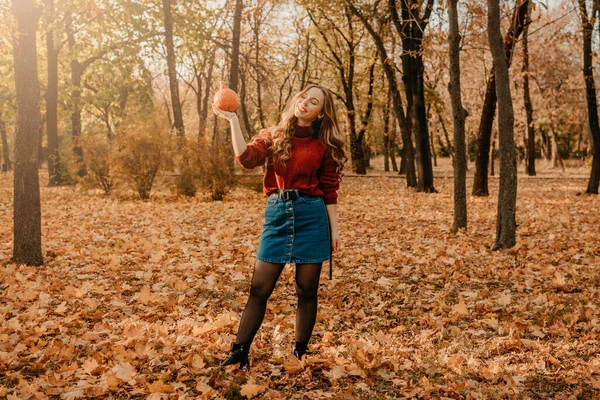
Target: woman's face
{"x": 309, "y": 106}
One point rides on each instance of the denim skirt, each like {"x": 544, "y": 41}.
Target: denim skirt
{"x": 295, "y": 231}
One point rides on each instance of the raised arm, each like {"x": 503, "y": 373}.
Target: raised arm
{"x": 237, "y": 139}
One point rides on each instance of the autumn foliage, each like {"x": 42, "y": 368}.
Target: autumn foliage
{"x": 141, "y": 299}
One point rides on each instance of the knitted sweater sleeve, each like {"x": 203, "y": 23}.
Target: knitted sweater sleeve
{"x": 256, "y": 151}
{"x": 329, "y": 179}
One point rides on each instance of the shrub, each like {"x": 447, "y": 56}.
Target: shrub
{"x": 139, "y": 152}
{"x": 215, "y": 166}
{"x": 219, "y": 174}
{"x": 66, "y": 164}
{"x": 188, "y": 159}
{"x": 97, "y": 151}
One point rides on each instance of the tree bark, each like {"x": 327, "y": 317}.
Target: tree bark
{"x": 505, "y": 223}
{"x": 459, "y": 115}
{"x": 27, "y": 245}
{"x": 590, "y": 91}
{"x": 480, "y": 181}
{"x": 245, "y": 117}
{"x": 6, "y": 164}
{"x": 411, "y": 30}
{"x": 408, "y": 156}
{"x": 393, "y": 148}
{"x": 76, "y": 72}
{"x": 556, "y": 158}
{"x": 386, "y": 133}
{"x": 207, "y": 89}
{"x": 172, "y": 71}
{"x": 527, "y": 100}
{"x": 51, "y": 98}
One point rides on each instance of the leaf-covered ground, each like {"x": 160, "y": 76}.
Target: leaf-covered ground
{"x": 142, "y": 298}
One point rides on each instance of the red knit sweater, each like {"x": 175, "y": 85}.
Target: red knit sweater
{"x": 310, "y": 169}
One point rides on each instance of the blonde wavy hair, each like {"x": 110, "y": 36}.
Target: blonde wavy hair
{"x": 326, "y": 129}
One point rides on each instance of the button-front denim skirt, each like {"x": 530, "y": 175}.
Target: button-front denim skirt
{"x": 295, "y": 231}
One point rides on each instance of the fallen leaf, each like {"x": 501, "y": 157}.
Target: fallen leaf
{"x": 159, "y": 386}
{"x": 250, "y": 390}
{"x": 292, "y": 365}
{"x": 124, "y": 371}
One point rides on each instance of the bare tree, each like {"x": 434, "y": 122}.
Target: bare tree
{"x": 588, "y": 23}
{"x": 480, "y": 181}
{"x": 171, "y": 66}
{"x": 51, "y": 95}
{"x": 527, "y": 99}
{"x": 27, "y": 246}
{"x": 408, "y": 157}
{"x": 507, "y": 198}
{"x": 410, "y": 27}
{"x": 6, "y": 164}
{"x": 459, "y": 114}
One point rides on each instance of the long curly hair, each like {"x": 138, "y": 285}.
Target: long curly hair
{"x": 326, "y": 129}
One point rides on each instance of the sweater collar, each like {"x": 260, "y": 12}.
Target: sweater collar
{"x": 302, "y": 131}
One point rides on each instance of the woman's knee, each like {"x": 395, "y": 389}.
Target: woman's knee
{"x": 261, "y": 289}
{"x": 307, "y": 289}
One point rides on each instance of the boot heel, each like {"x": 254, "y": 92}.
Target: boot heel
{"x": 238, "y": 355}
{"x": 300, "y": 349}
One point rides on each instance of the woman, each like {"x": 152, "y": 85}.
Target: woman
{"x": 304, "y": 155}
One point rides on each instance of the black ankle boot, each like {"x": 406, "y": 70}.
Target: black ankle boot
{"x": 238, "y": 355}
{"x": 300, "y": 348}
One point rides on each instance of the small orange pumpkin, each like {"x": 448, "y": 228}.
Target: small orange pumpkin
{"x": 226, "y": 99}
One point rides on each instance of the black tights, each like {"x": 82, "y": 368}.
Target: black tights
{"x": 263, "y": 282}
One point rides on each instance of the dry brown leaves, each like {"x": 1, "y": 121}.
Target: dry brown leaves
{"x": 141, "y": 299}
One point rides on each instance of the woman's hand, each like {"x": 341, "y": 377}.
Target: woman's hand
{"x": 223, "y": 114}
{"x": 335, "y": 241}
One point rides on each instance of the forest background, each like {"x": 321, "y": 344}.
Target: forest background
{"x": 150, "y": 291}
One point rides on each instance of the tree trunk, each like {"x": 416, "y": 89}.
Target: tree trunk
{"x": 257, "y": 57}
{"x": 527, "y": 100}
{"x": 360, "y": 138}
{"x": 546, "y": 145}
{"x": 245, "y": 117}
{"x": 207, "y": 89}
{"x": 51, "y": 98}
{"x": 459, "y": 115}
{"x": 386, "y": 134}
{"x": 505, "y": 223}
{"x": 407, "y": 154}
{"x": 27, "y": 246}
{"x": 40, "y": 147}
{"x": 411, "y": 34}
{"x": 482, "y": 157}
{"x": 76, "y": 72}
{"x": 445, "y": 130}
{"x": 556, "y": 158}
{"x": 393, "y": 148}
{"x": 590, "y": 91}
{"x": 356, "y": 147}
{"x": 432, "y": 148}
{"x": 480, "y": 183}
{"x": 172, "y": 71}
{"x": 199, "y": 94}
{"x": 492, "y": 156}
{"x": 6, "y": 164}
{"x": 386, "y": 157}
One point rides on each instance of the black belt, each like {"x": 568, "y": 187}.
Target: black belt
{"x": 288, "y": 194}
